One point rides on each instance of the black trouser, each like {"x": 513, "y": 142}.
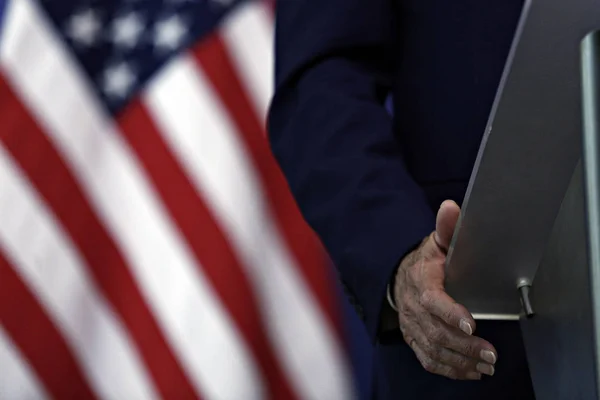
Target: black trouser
{"x": 398, "y": 374}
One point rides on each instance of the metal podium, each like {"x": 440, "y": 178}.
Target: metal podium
{"x": 566, "y": 290}
{"x": 527, "y": 245}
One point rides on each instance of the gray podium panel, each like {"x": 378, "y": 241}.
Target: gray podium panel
{"x": 559, "y": 339}
{"x": 562, "y": 338}
{"x": 526, "y": 160}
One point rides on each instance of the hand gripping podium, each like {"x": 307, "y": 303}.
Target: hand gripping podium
{"x": 527, "y": 245}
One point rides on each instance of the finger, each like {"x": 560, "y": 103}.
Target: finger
{"x": 462, "y": 364}
{"x": 439, "y": 304}
{"x": 431, "y": 274}
{"x": 431, "y": 365}
{"x": 441, "y": 334}
{"x": 472, "y": 347}
{"x": 445, "y": 223}
{"x": 436, "y": 367}
{"x": 409, "y": 328}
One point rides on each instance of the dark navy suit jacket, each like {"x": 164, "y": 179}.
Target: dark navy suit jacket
{"x": 370, "y": 184}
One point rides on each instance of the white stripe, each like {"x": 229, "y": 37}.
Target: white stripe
{"x": 248, "y": 34}
{"x": 17, "y": 380}
{"x": 48, "y": 263}
{"x": 195, "y": 323}
{"x": 197, "y": 128}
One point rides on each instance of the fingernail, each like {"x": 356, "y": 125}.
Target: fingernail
{"x": 488, "y": 356}
{"x": 486, "y": 369}
{"x": 465, "y": 326}
{"x": 474, "y": 376}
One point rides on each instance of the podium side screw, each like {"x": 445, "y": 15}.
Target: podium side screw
{"x": 523, "y": 285}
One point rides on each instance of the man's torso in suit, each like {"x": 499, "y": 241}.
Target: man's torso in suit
{"x": 448, "y": 57}
{"x": 444, "y": 89}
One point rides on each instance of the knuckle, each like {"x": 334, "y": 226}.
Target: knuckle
{"x": 438, "y": 336}
{"x": 404, "y": 311}
{"x": 439, "y": 333}
{"x": 434, "y": 333}
{"x": 451, "y": 374}
{"x": 427, "y": 347}
{"x": 404, "y": 321}
{"x": 462, "y": 363}
{"x": 405, "y": 305}
{"x": 407, "y": 299}
{"x": 431, "y": 350}
{"x": 406, "y": 336}
{"x": 428, "y": 330}
{"x": 406, "y": 317}
{"x": 413, "y": 273}
{"x": 428, "y": 364}
{"x": 469, "y": 349}
{"x": 404, "y": 330}
{"x": 436, "y": 353}
{"x": 405, "y": 314}
{"x": 427, "y": 297}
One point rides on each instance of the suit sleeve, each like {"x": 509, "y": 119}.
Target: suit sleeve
{"x": 333, "y": 138}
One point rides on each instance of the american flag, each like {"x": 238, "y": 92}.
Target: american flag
{"x": 149, "y": 246}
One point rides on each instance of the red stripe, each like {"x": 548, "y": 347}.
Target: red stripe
{"x": 45, "y": 168}
{"x": 206, "y": 239}
{"x": 38, "y": 340}
{"x": 214, "y": 59}
{"x": 271, "y": 5}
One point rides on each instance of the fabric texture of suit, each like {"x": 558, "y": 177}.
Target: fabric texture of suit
{"x": 370, "y": 184}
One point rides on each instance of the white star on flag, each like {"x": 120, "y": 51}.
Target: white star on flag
{"x": 118, "y": 80}
{"x": 84, "y": 27}
{"x": 169, "y": 33}
{"x": 127, "y": 30}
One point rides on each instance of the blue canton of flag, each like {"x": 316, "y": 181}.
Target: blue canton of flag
{"x": 2, "y": 5}
{"x": 121, "y": 44}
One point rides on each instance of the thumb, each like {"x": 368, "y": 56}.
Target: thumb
{"x": 446, "y": 220}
